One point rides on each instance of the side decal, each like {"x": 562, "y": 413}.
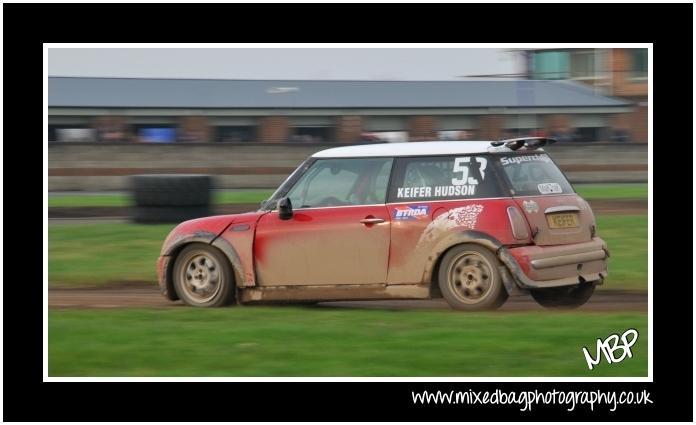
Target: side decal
{"x": 411, "y": 212}
{"x": 462, "y": 217}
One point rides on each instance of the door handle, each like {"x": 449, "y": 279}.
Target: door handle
{"x": 372, "y": 220}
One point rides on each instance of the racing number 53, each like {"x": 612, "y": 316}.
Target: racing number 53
{"x": 462, "y": 164}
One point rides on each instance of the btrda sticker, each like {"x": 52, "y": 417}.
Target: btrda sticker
{"x": 411, "y": 212}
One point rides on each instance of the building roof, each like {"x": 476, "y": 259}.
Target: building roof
{"x": 412, "y": 149}
{"x": 79, "y": 92}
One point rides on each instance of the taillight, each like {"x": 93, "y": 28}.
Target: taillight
{"x": 518, "y": 223}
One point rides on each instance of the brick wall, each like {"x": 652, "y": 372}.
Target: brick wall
{"x": 623, "y": 84}
{"x": 620, "y": 121}
{"x": 490, "y": 127}
{"x": 273, "y": 129}
{"x": 557, "y": 123}
{"x": 348, "y": 128}
{"x": 194, "y": 129}
{"x": 639, "y": 124}
{"x": 422, "y": 128}
{"x": 112, "y": 129}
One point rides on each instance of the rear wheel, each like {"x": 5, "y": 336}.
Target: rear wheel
{"x": 564, "y": 297}
{"x": 203, "y": 277}
{"x": 469, "y": 279}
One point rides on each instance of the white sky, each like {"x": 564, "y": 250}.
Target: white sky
{"x": 282, "y": 63}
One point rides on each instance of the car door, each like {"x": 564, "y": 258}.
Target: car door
{"x": 433, "y": 198}
{"x": 339, "y": 232}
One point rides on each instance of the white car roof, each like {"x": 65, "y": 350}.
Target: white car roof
{"x": 412, "y": 149}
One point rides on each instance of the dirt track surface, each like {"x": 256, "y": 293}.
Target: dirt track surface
{"x": 142, "y": 296}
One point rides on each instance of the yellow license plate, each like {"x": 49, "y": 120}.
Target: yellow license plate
{"x": 563, "y": 220}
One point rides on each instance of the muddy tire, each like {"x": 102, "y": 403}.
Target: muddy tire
{"x": 565, "y": 297}
{"x": 203, "y": 277}
{"x": 469, "y": 279}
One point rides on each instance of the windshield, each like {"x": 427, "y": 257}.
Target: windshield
{"x": 534, "y": 174}
{"x": 269, "y": 203}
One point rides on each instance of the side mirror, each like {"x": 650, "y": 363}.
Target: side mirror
{"x": 284, "y": 209}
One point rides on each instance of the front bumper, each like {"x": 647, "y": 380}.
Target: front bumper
{"x": 558, "y": 265}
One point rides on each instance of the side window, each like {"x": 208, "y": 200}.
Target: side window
{"x": 340, "y": 182}
{"x": 443, "y": 177}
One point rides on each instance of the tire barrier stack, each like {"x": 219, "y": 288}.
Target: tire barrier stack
{"x": 164, "y": 198}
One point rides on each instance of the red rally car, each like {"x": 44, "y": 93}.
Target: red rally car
{"x": 473, "y": 222}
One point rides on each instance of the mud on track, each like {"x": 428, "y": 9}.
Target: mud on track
{"x": 147, "y": 295}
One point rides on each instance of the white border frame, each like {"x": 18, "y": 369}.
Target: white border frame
{"x": 47, "y": 46}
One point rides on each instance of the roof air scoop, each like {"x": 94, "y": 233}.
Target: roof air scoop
{"x": 529, "y": 143}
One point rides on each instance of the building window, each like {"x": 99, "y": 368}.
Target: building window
{"x": 155, "y": 133}
{"x": 590, "y": 134}
{"x": 582, "y": 64}
{"x": 639, "y": 63}
{"x": 235, "y": 133}
{"x": 511, "y": 133}
{"x": 70, "y": 133}
{"x": 310, "y": 134}
{"x": 384, "y": 136}
{"x": 456, "y": 134}
{"x": 550, "y": 65}
{"x": 562, "y": 135}
{"x": 53, "y": 133}
{"x": 619, "y": 135}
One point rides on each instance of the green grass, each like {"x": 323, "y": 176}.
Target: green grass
{"x": 587, "y": 191}
{"x": 124, "y": 200}
{"x": 612, "y": 191}
{"x": 242, "y": 197}
{"x": 291, "y": 341}
{"x": 105, "y": 200}
{"x": 99, "y": 253}
{"x": 627, "y": 238}
{"x": 89, "y": 254}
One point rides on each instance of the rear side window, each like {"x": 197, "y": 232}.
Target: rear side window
{"x": 534, "y": 174}
{"x": 443, "y": 177}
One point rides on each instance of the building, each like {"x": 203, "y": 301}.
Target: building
{"x": 118, "y": 110}
{"x": 619, "y": 73}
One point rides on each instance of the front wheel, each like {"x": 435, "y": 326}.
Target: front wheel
{"x": 564, "y": 297}
{"x": 203, "y": 277}
{"x": 469, "y": 279}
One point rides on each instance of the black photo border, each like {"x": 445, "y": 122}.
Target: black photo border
{"x": 28, "y": 26}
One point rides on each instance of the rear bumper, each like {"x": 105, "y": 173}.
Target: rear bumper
{"x": 557, "y": 265}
